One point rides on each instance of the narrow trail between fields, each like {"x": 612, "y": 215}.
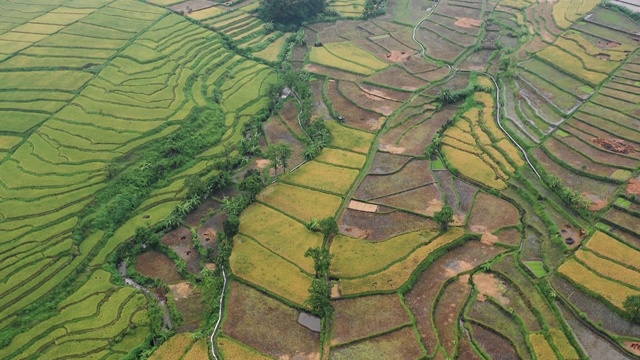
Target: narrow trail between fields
{"x": 221, "y": 310}
{"x": 498, "y": 122}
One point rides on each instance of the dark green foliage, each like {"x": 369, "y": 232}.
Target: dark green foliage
{"x": 319, "y": 137}
{"x": 320, "y": 291}
{"x": 320, "y": 297}
{"x": 252, "y": 185}
{"x": 632, "y": 306}
{"x": 203, "y": 128}
{"x": 290, "y": 12}
{"x": 444, "y": 217}
{"x": 231, "y": 226}
{"x": 195, "y": 186}
{"x": 321, "y": 260}
{"x": 278, "y": 155}
{"x": 373, "y": 8}
{"x": 328, "y": 226}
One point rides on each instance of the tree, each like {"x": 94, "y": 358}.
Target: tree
{"x": 328, "y": 226}
{"x": 252, "y": 185}
{"x": 195, "y": 186}
{"x": 321, "y": 260}
{"x": 444, "y": 217}
{"x": 632, "y": 306}
{"x": 278, "y": 155}
{"x": 290, "y": 12}
{"x": 320, "y": 297}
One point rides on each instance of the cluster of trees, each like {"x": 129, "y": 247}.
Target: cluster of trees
{"x": 319, "y": 138}
{"x": 320, "y": 291}
{"x": 278, "y": 155}
{"x": 290, "y": 12}
{"x": 132, "y": 182}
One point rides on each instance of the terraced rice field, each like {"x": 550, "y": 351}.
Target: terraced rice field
{"x": 132, "y": 135}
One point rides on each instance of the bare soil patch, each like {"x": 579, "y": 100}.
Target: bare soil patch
{"x": 616, "y": 145}
{"x": 158, "y": 266}
{"x": 466, "y": 23}
{"x": 384, "y": 163}
{"x": 399, "y": 56}
{"x": 360, "y": 317}
{"x": 360, "y": 206}
{"x": 400, "y": 344}
{"x": 490, "y": 213}
{"x": 180, "y": 240}
{"x": 420, "y": 299}
{"x": 495, "y": 345}
{"x": 489, "y": 285}
{"x": 414, "y": 174}
{"x": 381, "y": 226}
{"x": 268, "y": 325}
{"x": 634, "y": 187}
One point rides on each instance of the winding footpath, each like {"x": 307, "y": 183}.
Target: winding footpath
{"x": 217, "y": 327}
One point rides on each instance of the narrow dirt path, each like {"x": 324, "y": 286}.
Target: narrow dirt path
{"x": 217, "y": 327}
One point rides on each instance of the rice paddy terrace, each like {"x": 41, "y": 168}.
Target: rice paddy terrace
{"x": 130, "y": 131}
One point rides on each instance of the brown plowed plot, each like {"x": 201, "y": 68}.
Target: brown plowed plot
{"x": 589, "y": 136}
{"x": 191, "y": 306}
{"x": 332, "y": 73}
{"x": 375, "y": 99}
{"x": 447, "y": 311}
{"x": 420, "y": 299}
{"x": 493, "y": 344}
{"x": 365, "y": 316}
{"x": 466, "y": 351}
{"x": 611, "y": 128}
{"x": 277, "y": 132}
{"x": 396, "y": 51}
{"x": 466, "y": 193}
{"x": 320, "y": 108}
{"x": 445, "y": 180}
{"x": 200, "y": 214}
{"x": 576, "y": 160}
{"x": 489, "y": 213}
{"x": 458, "y": 82}
{"x": 157, "y": 265}
{"x": 180, "y": 240}
{"x": 596, "y": 310}
{"x": 351, "y": 29}
{"x": 329, "y": 35}
{"x": 389, "y": 140}
{"x": 477, "y": 61}
{"x": 381, "y": 226}
{"x": 416, "y": 173}
{"x": 208, "y": 232}
{"x": 438, "y": 47}
{"x": 509, "y": 236}
{"x": 578, "y": 183}
{"x": 289, "y": 114}
{"x": 423, "y": 200}
{"x": 354, "y": 115}
{"x": 268, "y": 325}
{"x": 507, "y": 268}
{"x": 418, "y": 138}
{"x": 191, "y": 5}
{"x": 449, "y": 9}
{"x": 385, "y": 163}
{"x": 501, "y": 290}
{"x": 416, "y": 65}
{"x": 415, "y": 135}
{"x": 456, "y": 37}
{"x": 401, "y": 345}
{"x": 398, "y": 77}
{"x": 624, "y": 220}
